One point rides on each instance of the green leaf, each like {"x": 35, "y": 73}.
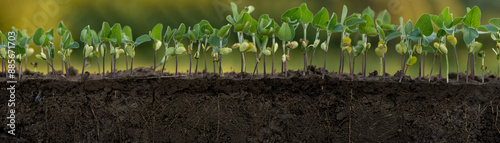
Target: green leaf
{"x": 180, "y": 33}
{"x": 469, "y": 34}
{"x": 224, "y": 30}
{"x": 489, "y": 28}
{"x": 414, "y": 35}
{"x": 157, "y": 30}
{"x": 444, "y": 18}
{"x": 352, "y": 21}
{"x": 95, "y": 38}
{"x": 409, "y": 27}
{"x": 495, "y": 22}
{"x": 285, "y": 32}
{"x": 381, "y": 33}
{"x": 292, "y": 16}
{"x": 424, "y": 23}
{"x": 393, "y": 35}
{"x": 234, "y": 9}
{"x": 141, "y": 39}
{"x": 367, "y": 27}
{"x": 127, "y": 31}
{"x": 457, "y": 21}
{"x": 473, "y": 18}
{"x": 61, "y": 29}
{"x": 384, "y": 18}
{"x": 306, "y": 15}
{"x": 73, "y": 45}
{"x": 105, "y": 30}
{"x": 116, "y": 32}
{"x": 369, "y": 12}
{"x": 332, "y": 23}
{"x": 321, "y": 19}
{"x": 205, "y": 27}
{"x": 36, "y": 37}
{"x": 344, "y": 14}
{"x": 168, "y": 34}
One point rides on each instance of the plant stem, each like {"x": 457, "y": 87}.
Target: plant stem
{"x": 423, "y": 63}
{"x": 256, "y": 57}
{"x": 272, "y": 52}
{"x": 467, "y": 70}
{"x": 284, "y": 52}
{"x": 164, "y": 63}
{"x": 323, "y": 71}
{"x": 440, "y": 65}
{"x": 176, "y": 64}
{"x": 98, "y": 65}
{"x": 482, "y": 69}
{"x": 420, "y": 68}
{"x": 473, "y": 65}
{"x": 305, "y": 62}
{"x": 447, "y": 69}
{"x": 364, "y": 70}
{"x": 111, "y": 65}
{"x": 205, "y": 53}
{"x": 20, "y": 70}
{"x": 404, "y": 65}
{"x": 131, "y": 65}
{"x": 350, "y": 66}
{"x": 220, "y": 58}
{"x": 198, "y": 57}
{"x": 66, "y": 66}
{"x": 83, "y": 68}
{"x": 383, "y": 73}
{"x": 353, "y": 63}
{"x": 286, "y": 62}
{"x": 381, "y": 64}
{"x": 498, "y": 69}
{"x": 103, "y": 65}
{"x": 114, "y": 68}
{"x": 264, "y": 58}
{"x": 456, "y": 59}
{"x": 433, "y": 62}
{"x": 126, "y": 61}
{"x": 154, "y": 62}
{"x": 190, "y": 59}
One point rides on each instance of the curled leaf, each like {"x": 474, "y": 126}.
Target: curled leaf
{"x": 411, "y": 61}
{"x": 452, "y": 40}
{"x": 225, "y": 51}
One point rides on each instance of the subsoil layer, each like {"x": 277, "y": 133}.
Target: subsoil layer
{"x": 261, "y": 109}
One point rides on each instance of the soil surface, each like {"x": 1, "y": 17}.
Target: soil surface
{"x": 146, "y": 107}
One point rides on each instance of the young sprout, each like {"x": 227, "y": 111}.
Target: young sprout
{"x": 423, "y": 32}
{"x": 86, "y": 38}
{"x": 241, "y": 21}
{"x": 495, "y": 23}
{"x": 205, "y": 31}
{"x": 114, "y": 49}
{"x": 286, "y": 34}
{"x": 447, "y": 26}
{"x": 45, "y": 41}
{"x": 104, "y": 36}
{"x": 322, "y": 21}
{"x": 21, "y": 47}
{"x": 34, "y": 64}
{"x": 194, "y": 36}
{"x": 218, "y": 39}
{"x": 3, "y": 51}
{"x": 179, "y": 49}
{"x": 367, "y": 29}
{"x": 306, "y": 17}
{"x": 130, "y": 44}
{"x": 469, "y": 30}
{"x": 67, "y": 46}
{"x": 169, "y": 34}
{"x": 384, "y": 28}
{"x": 155, "y": 34}
{"x": 481, "y": 55}
{"x": 350, "y": 26}
{"x": 265, "y": 29}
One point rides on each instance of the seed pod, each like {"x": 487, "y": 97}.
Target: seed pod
{"x": 411, "y": 61}
{"x": 275, "y": 47}
{"x": 304, "y": 42}
{"x": 418, "y": 49}
{"x": 88, "y": 50}
{"x": 379, "y": 52}
{"x": 443, "y": 49}
{"x": 452, "y": 40}
{"x": 346, "y": 42}
{"x": 266, "y": 52}
{"x": 283, "y": 58}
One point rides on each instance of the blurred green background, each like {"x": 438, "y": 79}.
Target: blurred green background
{"x": 143, "y": 15}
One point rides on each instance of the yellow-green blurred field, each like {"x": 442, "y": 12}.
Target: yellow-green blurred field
{"x": 143, "y": 15}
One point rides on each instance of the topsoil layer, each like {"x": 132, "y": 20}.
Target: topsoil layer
{"x": 261, "y": 109}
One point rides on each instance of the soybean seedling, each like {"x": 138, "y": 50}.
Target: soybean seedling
{"x": 169, "y": 34}
{"x": 496, "y": 36}
{"x": 131, "y": 45}
{"x": 350, "y": 25}
{"x": 286, "y": 34}
{"x": 481, "y": 55}
{"x": 306, "y": 17}
{"x": 21, "y": 47}
{"x": 179, "y": 49}
{"x": 194, "y": 36}
{"x": 242, "y": 22}
{"x": 218, "y": 39}
{"x": 321, "y": 21}
{"x": 447, "y": 27}
{"x": 34, "y": 64}
{"x": 366, "y": 29}
{"x": 265, "y": 29}
{"x": 104, "y": 38}
{"x": 114, "y": 49}
{"x": 3, "y": 51}
{"x": 67, "y": 46}
{"x": 472, "y": 21}
{"x": 384, "y": 28}
{"x": 86, "y": 38}
{"x": 155, "y": 34}
{"x": 45, "y": 41}
{"x": 205, "y": 31}
{"x": 423, "y": 30}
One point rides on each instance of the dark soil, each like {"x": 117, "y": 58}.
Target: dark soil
{"x": 147, "y": 107}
